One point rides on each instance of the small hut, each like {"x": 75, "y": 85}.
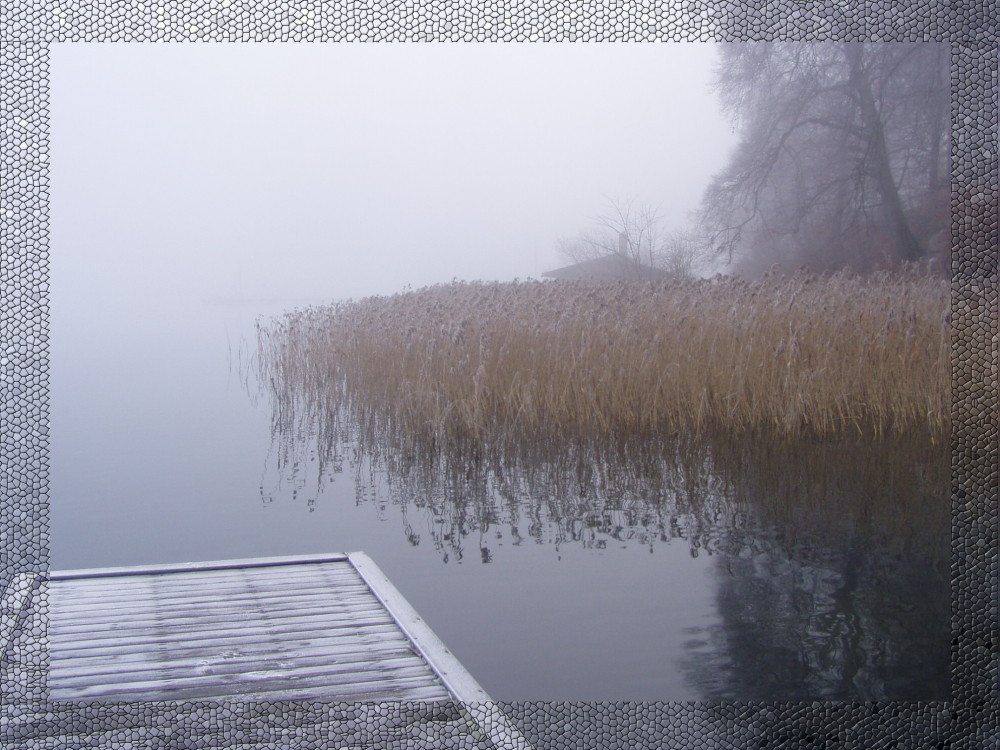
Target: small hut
{"x": 607, "y": 268}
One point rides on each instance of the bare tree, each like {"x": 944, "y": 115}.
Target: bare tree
{"x": 679, "y": 254}
{"x": 587, "y": 245}
{"x": 627, "y": 227}
{"x": 841, "y": 143}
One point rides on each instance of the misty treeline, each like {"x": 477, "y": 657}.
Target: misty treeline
{"x": 843, "y": 157}
{"x": 842, "y": 162}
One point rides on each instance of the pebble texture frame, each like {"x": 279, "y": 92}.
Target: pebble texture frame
{"x": 968, "y": 720}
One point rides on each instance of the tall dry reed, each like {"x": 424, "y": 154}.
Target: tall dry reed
{"x": 487, "y": 363}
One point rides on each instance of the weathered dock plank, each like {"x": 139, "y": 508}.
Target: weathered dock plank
{"x": 391, "y": 674}
{"x": 237, "y": 660}
{"x": 83, "y": 614}
{"x": 324, "y": 627}
{"x": 225, "y": 628}
{"x": 231, "y": 621}
{"x": 265, "y": 641}
{"x": 240, "y": 563}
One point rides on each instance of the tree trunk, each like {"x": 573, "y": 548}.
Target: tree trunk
{"x": 877, "y": 158}
{"x": 939, "y": 124}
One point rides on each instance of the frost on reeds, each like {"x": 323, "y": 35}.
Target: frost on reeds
{"x": 490, "y": 365}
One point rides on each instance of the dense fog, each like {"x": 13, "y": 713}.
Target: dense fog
{"x": 185, "y": 172}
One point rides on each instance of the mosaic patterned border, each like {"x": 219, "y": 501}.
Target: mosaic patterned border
{"x": 969, "y": 720}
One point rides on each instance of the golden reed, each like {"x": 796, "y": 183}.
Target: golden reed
{"x": 478, "y": 363}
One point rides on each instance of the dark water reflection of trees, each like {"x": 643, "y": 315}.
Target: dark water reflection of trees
{"x": 841, "y": 585}
{"x": 832, "y": 557}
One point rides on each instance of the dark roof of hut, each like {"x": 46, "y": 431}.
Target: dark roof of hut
{"x": 606, "y": 268}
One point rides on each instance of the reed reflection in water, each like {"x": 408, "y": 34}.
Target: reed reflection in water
{"x": 832, "y": 554}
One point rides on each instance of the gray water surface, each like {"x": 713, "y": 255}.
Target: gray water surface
{"x": 163, "y": 451}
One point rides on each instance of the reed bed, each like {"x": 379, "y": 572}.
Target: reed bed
{"x": 488, "y": 364}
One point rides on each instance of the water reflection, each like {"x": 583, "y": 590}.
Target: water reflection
{"x": 834, "y": 625}
{"x": 831, "y": 559}
{"x": 837, "y": 586}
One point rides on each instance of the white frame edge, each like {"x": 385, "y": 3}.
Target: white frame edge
{"x": 12, "y": 606}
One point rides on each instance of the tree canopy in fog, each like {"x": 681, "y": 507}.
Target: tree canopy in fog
{"x": 843, "y": 158}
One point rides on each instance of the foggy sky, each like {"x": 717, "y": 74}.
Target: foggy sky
{"x": 191, "y": 172}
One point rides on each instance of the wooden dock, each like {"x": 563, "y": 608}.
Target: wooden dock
{"x": 326, "y": 627}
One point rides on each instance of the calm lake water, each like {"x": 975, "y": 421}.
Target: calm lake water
{"x": 740, "y": 572}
